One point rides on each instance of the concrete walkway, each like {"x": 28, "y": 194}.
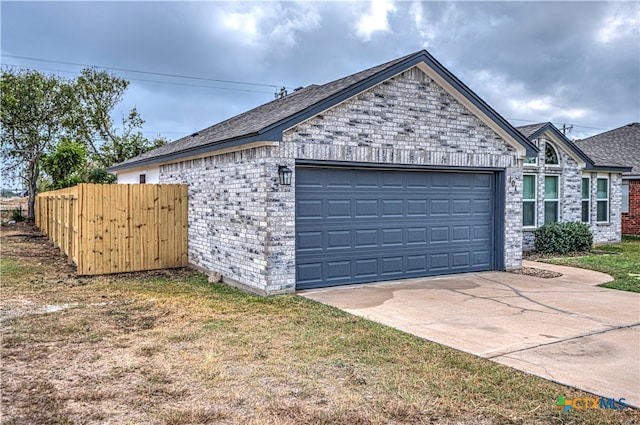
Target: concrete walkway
{"x": 565, "y": 329}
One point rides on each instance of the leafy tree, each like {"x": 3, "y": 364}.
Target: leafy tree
{"x": 41, "y": 114}
{"x": 34, "y": 115}
{"x": 98, "y": 94}
{"x": 100, "y": 175}
{"x": 65, "y": 164}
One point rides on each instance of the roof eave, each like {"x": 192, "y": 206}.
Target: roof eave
{"x": 614, "y": 169}
{"x": 199, "y": 150}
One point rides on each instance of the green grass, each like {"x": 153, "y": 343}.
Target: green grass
{"x": 621, "y": 261}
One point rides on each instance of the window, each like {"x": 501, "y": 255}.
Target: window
{"x": 531, "y": 160}
{"x": 143, "y": 178}
{"x": 586, "y": 204}
{"x": 551, "y": 199}
{"x": 625, "y": 196}
{"x": 529, "y": 200}
{"x": 603, "y": 200}
{"x": 550, "y": 155}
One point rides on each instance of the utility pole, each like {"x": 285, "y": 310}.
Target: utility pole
{"x": 566, "y": 128}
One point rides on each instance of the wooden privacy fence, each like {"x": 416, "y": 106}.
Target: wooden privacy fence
{"x": 114, "y": 228}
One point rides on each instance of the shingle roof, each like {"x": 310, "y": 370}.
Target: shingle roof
{"x": 619, "y": 146}
{"x": 268, "y": 121}
{"x": 528, "y": 130}
{"x": 254, "y": 120}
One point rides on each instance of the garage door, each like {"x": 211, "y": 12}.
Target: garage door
{"x": 367, "y": 225}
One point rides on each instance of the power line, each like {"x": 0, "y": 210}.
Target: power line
{"x": 142, "y": 79}
{"x": 276, "y": 86}
{"x": 566, "y": 124}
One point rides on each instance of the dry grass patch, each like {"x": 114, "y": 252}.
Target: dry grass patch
{"x": 170, "y": 348}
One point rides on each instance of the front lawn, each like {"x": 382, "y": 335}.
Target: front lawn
{"x": 622, "y": 261}
{"x": 169, "y": 347}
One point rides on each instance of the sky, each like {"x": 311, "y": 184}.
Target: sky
{"x": 198, "y": 63}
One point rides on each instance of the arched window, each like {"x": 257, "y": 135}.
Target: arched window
{"x": 550, "y": 155}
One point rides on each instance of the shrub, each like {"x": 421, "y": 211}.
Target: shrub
{"x": 17, "y": 215}
{"x": 563, "y": 237}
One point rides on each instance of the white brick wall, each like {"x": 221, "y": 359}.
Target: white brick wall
{"x": 242, "y": 223}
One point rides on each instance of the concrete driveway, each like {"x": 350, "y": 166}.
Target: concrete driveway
{"x": 564, "y": 329}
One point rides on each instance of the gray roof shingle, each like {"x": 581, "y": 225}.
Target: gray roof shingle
{"x": 620, "y": 146}
{"x": 254, "y": 120}
{"x": 528, "y": 130}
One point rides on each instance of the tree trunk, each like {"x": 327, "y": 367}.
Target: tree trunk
{"x": 32, "y": 185}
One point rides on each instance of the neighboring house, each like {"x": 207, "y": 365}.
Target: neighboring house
{"x": 564, "y": 184}
{"x": 621, "y": 146}
{"x": 398, "y": 171}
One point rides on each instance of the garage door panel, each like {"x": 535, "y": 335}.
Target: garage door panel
{"x": 309, "y": 209}
{"x": 366, "y": 208}
{"x": 417, "y": 207}
{"x": 460, "y": 233}
{"x": 392, "y": 208}
{"x": 416, "y": 235}
{"x": 310, "y": 241}
{"x": 439, "y": 234}
{"x": 356, "y": 225}
{"x": 440, "y": 207}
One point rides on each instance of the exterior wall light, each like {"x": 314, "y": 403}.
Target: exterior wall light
{"x": 285, "y": 173}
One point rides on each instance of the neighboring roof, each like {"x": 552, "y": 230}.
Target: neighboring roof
{"x": 528, "y": 130}
{"x": 268, "y": 121}
{"x": 533, "y": 131}
{"x": 619, "y": 146}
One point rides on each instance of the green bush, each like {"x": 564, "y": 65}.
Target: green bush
{"x": 563, "y": 237}
{"x": 17, "y": 215}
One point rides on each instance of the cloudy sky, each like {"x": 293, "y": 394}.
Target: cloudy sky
{"x": 198, "y": 63}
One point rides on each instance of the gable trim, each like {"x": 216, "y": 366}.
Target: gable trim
{"x": 442, "y": 77}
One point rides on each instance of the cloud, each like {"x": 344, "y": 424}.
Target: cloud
{"x": 375, "y": 20}
{"x": 519, "y": 103}
{"x": 264, "y": 24}
{"x": 622, "y": 21}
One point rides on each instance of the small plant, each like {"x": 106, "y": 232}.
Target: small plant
{"x": 17, "y": 215}
{"x": 563, "y": 238}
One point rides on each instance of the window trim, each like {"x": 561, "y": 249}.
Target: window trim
{"x": 556, "y": 200}
{"x": 534, "y": 201}
{"x": 607, "y": 199}
{"x": 530, "y": 164}
{"x": 587, "y": 199}
{"x": 556, "y": 151}
{"x": 625, "y": 183}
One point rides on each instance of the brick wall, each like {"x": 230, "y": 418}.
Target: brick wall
{"x": 570, "y": 174}
{"x": 631, "y": 219}
{"x": 242, "y": 222}
{"x": 228, "y": 229}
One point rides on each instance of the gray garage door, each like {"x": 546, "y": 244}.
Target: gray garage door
{"x": 366, "y": 225}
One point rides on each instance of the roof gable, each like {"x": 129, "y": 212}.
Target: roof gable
{"x": 268, "y": 121}
{"x": 535, "y": 131}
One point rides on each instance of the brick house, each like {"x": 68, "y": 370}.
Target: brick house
{"x": 621, "y": 146}
{"x": 397, "y": 171}
{"x": 564, "y": 184}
